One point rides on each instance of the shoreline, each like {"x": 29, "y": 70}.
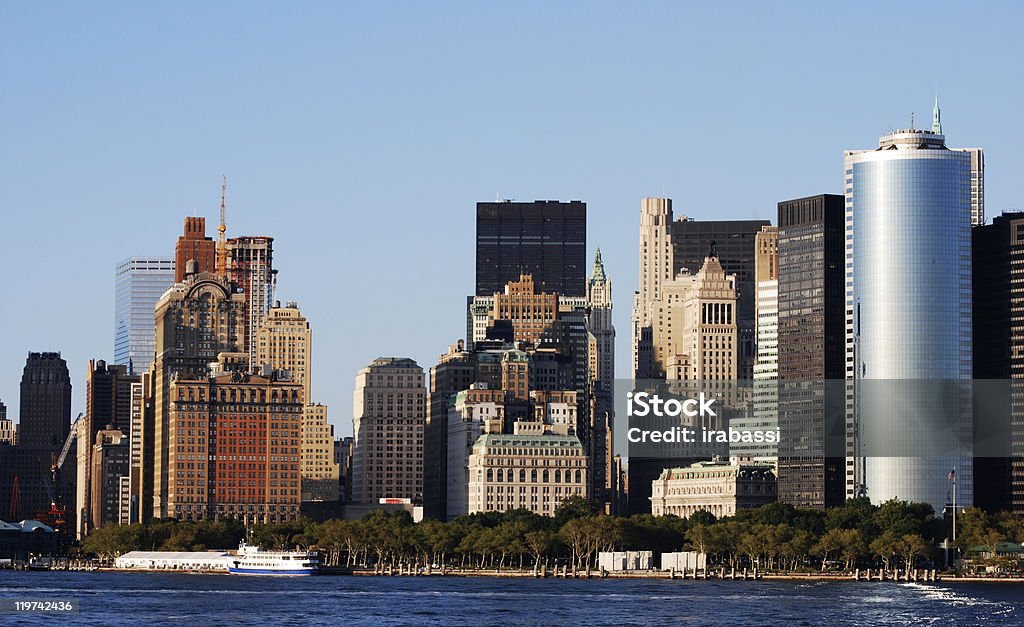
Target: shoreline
{"x": 921, "y": 577}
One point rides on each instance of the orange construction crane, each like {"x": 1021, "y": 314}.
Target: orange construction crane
{"x": 222, "y": 248}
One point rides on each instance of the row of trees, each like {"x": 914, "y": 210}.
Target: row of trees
{"x": 772, "y": 537}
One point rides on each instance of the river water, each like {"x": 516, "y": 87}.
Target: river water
{"x": 188, "y": 600}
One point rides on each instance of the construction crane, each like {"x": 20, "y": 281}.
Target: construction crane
{"x": 15, "y": 499}
{"x": 58, "y": 511}
{"x": 222, "y": 228}
{"x": 72, "y": 435}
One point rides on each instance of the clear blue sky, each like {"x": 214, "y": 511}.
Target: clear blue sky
{"x": 360, "y": 137}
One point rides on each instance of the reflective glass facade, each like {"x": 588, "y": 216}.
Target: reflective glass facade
{"x": 811, "y": 338}
{"x": 544, "y": 238}
{"x": 911, "y": 275}
{"x": 998, "y": 275}
{"x": 138, "y": 284}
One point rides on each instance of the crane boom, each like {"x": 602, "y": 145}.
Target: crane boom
{"x": 223, "y": 227}
{"x": 67, "y": 443}
{"x": 222, "y": 250}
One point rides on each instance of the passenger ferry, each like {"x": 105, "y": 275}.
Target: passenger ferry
{"x": 252, "y": 560}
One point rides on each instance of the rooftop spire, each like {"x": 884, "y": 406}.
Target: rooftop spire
{"x": 936, "y": 117}
{"x": 598, "y": 274}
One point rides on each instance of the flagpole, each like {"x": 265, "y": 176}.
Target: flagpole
{"x": 954, "y": 512}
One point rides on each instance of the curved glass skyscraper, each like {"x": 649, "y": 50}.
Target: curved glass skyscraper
{"x": 909, "y": 341}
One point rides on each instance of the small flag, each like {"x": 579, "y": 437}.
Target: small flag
{"x": 952, "y": 475}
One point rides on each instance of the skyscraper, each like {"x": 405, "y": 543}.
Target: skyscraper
{"x": 455, "y": 371}
{"x": 656, "y": 268}
{"x": 602, "y": 360}
{"x": 389, "y": 411}
{"x": 320, "y": 471}
{"x": 998, "y": 318}
{"x": 735, "y": 246}
{"x": 766, "y": 366}
{"x": 108, "y": 406}
{"x": 696, "y": 312}
{"x": 8, "y": 433}
{"x": 249, "y": 267}
{"x": 45, "y": 416}
{"x": 669, "y": 247}
{"x": 139, "y": 282}
{"x": 545, "y": 238}
{"x": 557, "y": 341}
{"x": 693, "y": 330}
{"x": 284, "y": 342}
{"x": 110, "y": 458}
{"x": 196, "y": 321}
{"x": 45, "y": 421}
{"x": 194, "y": 245}
{"x": 908, "y": 269}
{"x": 233, "y": 446}
{"x": 977, "y": 170}
{"x": 811, "y": 352}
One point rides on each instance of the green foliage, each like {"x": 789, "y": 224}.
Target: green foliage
{"x": 165, "y": 535}
{"x": 772, "y": 537}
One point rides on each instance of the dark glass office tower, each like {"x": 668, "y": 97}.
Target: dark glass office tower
{"x": 456, "y": 371}
{"x": 734, "y": 242}
{"x": 45, "y": 402}
{"x": 811, "y": 345}
{"x": 545, "y": 238}
{"x": 998, "y": 326}
{"x": 45, "y": 423}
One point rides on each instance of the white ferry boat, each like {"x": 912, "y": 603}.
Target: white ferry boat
{"x": 252, "y": 560}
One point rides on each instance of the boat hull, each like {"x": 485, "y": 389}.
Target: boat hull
{"x": 268, "y": 571}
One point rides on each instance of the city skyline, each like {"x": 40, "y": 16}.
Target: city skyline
{"x": 323, "y": 235}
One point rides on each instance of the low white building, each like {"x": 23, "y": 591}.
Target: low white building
{"x": 615, "y": 561}
{"x": 684, "y": 561}
{"x": 175, "y": 560}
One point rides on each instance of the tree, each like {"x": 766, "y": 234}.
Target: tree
{"x": 110, "y": 541}
{"x": 724, "y": 539}
{"x": 886, "y": 547}
{"x": 853, "y": 546}
{"x": 973, "y": 526}
{"x": 1011, "y": 526}
{"x": 855, "y": 513}
{"x": 699, "y": 537}
{"x": 574, "y": 507}
{"x": 909, "y": 547}
{"x": 900, "y": 517}
{"x": 755, "y": 542}
{"x": 538, "y": 543}
{"x": 574, "y": 534}
{"x": 831, "y": 542}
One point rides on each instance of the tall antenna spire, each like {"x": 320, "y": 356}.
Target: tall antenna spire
{"x": 937, "y": 117}
{"x": 222, "y": 250}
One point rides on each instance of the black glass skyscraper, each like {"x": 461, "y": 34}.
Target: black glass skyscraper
{"x": 544, "y": 238}
{"x": 45, "y": 402}
{"x": 812, "y": 351}
{"x": 998, "y": 329}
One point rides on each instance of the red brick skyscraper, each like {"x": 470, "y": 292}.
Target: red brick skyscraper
{"x": 194, "y": 244}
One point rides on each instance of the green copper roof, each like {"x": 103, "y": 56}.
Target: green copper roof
{"x": 936, "y": 118}
{"x": 521, "y": 440}
{"x": 598, "y": 274}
